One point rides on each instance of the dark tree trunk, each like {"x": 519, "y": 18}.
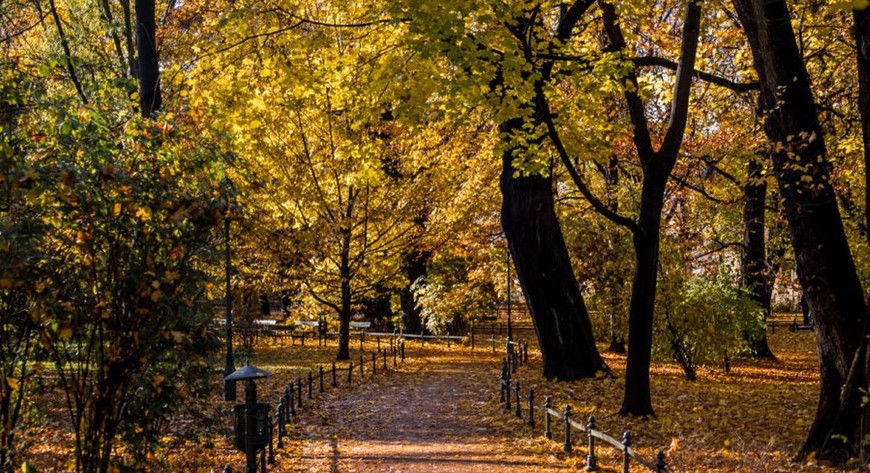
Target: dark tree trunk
{"x": 544, "y": 270}
{"x": 149, "y": 67}
{"x": 757, "y": 278}
{"x": 657, "y": 167}
{"x": 825, "y": 267}
{"x": 344, "y": 322}
{"x": 862, "y": 42}
{"x": 414, "y": 266}
{"x": 637, "y": 399}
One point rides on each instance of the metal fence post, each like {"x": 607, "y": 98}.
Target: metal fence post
{"x": 532, "y": 408}
{"x": 384, "y": 356}
{"x": 517, "y": 400}
{"x": 402, "y": 353}
{"x": 281, "y": 419}
{"x": 374, "y": 364}
{"x": 591, "y": 460}
{"x": 548, "y": 403}
{"x": 271, "y": 427}
{"x": 660, "y": 462}
{"x": 299, "y": 392}
{"x": 525, "y": 352}
{"x": 567, "y": 446}
{"x": 292, "y": 397}
{"x": 310, "y": 383}
{"x": 334, "y": 380}
{"x": 501, "y": 379}
{"x": 626, "y": 458}
{"x": 321, "y": 377}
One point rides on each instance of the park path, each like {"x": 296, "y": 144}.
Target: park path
{"x": 425, "y": 417}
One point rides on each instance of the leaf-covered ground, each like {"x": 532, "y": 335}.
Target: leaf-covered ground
{"x": 438, "y": 412}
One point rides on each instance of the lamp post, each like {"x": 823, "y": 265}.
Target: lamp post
{"x": 252, "y": 431}
{"x": 228, "y": 193}
{"x": 510, "y": 334}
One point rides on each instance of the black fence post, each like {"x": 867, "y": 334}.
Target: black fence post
{"x": 395, "y": 358}
{"x": 350, "y": 373}
{"x": 321, "y": 378}
{"x": 292, "y": 398}
{"x": 526, "y": 352}
{"x": 271, "y": 426}
{"x": 378, "y": 338}
{"x": 501, "y": 380}
{"x": 448, "y": 339}
{"x": 299, "y": 392}
{"x": 660, "y": 462}
{"x": 334, "y": 380}
{"x": 548, "y": 404}
{"x": 591, "y": 460}
{"x": 310, "y": 383}
{"x": 262, "y": 461}
{"x": 532, "y": 408}
{"x": 281, "y": 419}
{"x": 567, "y": 446}
{"x": 517, "y": 400}
{"x": 402, "y": 352}
{"x": 626, "y": 458}
{"x": 288, "y": 400}
{"x": 374, "y": 364}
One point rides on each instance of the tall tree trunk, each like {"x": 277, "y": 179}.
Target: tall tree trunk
{"x": 861, "y": 29}
{"x": 757, "y": 278}
{"x": 657, "y": 167}
{"x": 149, "y": 67}
{"x": 414, "y": 267}
{"x": 825, "y": 267}
{"x": 544, "y": 270}
{"x": 637, "y": 399}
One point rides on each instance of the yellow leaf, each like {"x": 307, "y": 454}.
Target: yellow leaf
{"x": 116, "y": 209}
{"x": 171, "y": 276}
{"x": 12, "y": 382}
{"x": 155, "y": 296}
{"x": 675, "y": 444}
{"x": 65, "y": 333}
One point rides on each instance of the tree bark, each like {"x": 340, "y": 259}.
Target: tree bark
{"x": 149, "y": 67}
{"x": 861, "y": 29}
{"x": 414, "y": 267}
{"x": 757, "y": 278}
{"x": 825, "y": 267}
{"x": 544, "y": 270}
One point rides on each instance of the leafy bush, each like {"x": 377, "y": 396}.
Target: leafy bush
{"x": 702, "y": 319}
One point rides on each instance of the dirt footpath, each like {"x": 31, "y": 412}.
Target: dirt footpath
{"x": 425, "y": 417}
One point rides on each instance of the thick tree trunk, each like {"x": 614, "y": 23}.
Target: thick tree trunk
{"x": 149, "y": 67}
{"x": 756, "y": 276}
{"x": 825, "y": 267}
{"x": 637, "y": 400}
{"x": 544, "y": 270}
{"x": 414, "y": 266}
{"x": 861, "y": 29}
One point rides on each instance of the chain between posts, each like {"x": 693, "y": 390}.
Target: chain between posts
{"x": 510, "y": 392}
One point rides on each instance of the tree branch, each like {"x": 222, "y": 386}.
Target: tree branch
{"x": 653, "y": 61}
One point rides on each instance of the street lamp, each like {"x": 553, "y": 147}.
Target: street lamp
{"x": 228, "y": 193}
{"x": 510, "y": 333}
{"x": 251, "y": 428}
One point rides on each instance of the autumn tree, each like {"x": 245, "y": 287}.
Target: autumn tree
{"x": 825, "y": 266}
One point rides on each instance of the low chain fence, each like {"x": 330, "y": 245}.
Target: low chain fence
{"x": 291, "y": 401}
{"x": 524, "y": 406}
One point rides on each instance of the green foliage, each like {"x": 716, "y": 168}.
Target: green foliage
{"x": 703, "y": 318}
{"x": 457, "y": 290}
